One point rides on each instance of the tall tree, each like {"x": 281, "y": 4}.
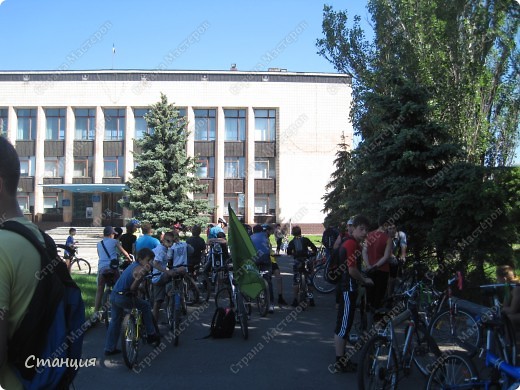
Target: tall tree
{"x": 465, "y": 52}
{"x": 164, "y": 175}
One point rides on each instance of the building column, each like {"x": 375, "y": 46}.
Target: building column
{"x": 68, "y": 171}
{"x": 98, "y": 146}
{"x": 219, "y": 165}
{"x": 250, "y": 164}
{"x": 39, "y": 163}
{"x": 12, "y": 124}
{"x": 129, "y": 142}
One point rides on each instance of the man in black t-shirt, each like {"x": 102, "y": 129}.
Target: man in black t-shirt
{"x": 199, "y": 247}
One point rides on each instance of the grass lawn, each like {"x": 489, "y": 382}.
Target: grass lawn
{"x": 87, "y": 284}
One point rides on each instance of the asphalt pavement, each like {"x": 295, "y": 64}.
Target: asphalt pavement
{"x": 290, "y": 349}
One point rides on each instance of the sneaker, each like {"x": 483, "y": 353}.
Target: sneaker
{"x": 153, "y": 339}
{"x": 311, "y": 302}
{"x": 348, "y": 366}
{"x": 294, "y": 303}
{"x": 271, "y": 309}
{"x": 114, "y": 352}
{"x": 281, "y": 301}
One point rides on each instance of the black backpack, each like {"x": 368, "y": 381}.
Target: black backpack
{"x": 54, "y": 324}
{"x": 223, "y": 323}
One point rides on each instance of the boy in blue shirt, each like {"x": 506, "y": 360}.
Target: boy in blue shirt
{"x": 124, "y": 297}
{"x": 70, "y": 243}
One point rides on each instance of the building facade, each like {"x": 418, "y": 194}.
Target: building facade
{"x": 265, "y": 141}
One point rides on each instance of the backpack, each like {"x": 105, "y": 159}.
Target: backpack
{"x": 299, "y": 250}
{"x": 333, "y": 272}
{"x": 53, "y": 327}
{"x": 223, "y": 323}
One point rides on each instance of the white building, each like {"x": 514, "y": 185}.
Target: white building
{"x": 266, "y": 140}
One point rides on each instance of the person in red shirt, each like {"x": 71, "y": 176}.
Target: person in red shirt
{"x": 376, "y": 255}
{"x": 350, "y": 268}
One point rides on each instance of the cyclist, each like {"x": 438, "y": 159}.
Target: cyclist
{"x": 124, "y": 297}
{"x": 217, "y": 250}
{"x": 70, "y": 243}
{"x": 349, "y": 266}
{"x": 278, "y": 236}
{"x": 260, "y": 239}
{"x": 178, "y": 253}
{"x": 146, "y": 240}
{"x": 299, "y": 249}
{"x": 128, "y": 239}
{"x": 199, "y": 246}
{"x": 219, "y": 228}
{"x": 107, "y": 252}
{"x": 398, "y": 257}
{"x": 162, "y": 275}
{"x": 275, "y": 267}
{"x": 511, "y": 306}
{"x": 377, "y": 254}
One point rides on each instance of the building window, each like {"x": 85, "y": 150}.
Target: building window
{"x": 26, "y": 124}
{"x": 113, "y": 166}
{"x": 234, "y": 167}
{"x": 85, "y": 123}
{"x": 235, "y": 125}
{"x": 115, "y": 124}
{"x": 52, "y": 167}
{"x": 206, "y": 168}
{"x": 265, "y": 125}
{"x": 3, "y": 121}
{"x": 81, "y": 167}
{"x": 23, "y": 202}
{"x": 264, "y": 168}
{"x": 55, "y": 123}
{"x": 51, "y": 204}
{"x": 205, "y": 124}
{"x": 209, "y": 197}
{"x": 265, "y": 204}
{"x": 141, "y": 127}
{"x": 237, "y": 202}
{"x": 25, "y": 167}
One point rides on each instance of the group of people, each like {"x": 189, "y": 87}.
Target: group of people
{"x": 368, "y": 258}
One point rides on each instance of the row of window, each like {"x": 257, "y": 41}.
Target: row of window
{"x": 234, "y": 167}
{"x": 115, "y": 122}
{"x": 264, "y": 204}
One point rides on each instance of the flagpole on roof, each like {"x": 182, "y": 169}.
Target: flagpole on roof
{"x": 113, "y": 54}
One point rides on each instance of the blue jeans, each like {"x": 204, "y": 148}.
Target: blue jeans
{"x": 120, "y": 303}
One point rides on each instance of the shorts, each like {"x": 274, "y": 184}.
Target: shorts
{"x": 107, "y": 275}
{"x": 346, "y": 312}
{"x": 298, "y": 269}
{"x": 159, "y": 288}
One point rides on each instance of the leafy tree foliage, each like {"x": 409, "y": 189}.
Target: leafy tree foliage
{"x": 436, "y": 103}
{"x": 164, "y": 174}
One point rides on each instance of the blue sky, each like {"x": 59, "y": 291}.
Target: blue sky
{"x": 210, "y": 35}
{"x": 167, "y": 34}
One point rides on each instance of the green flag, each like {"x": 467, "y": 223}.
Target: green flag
{"x": 242, "y": 253}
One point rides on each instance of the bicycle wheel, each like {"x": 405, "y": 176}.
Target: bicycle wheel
{"x": 457, "y": 332}
{"x": 262, "y": 300}
{"x": 80, "y": 266}
{"x": 378, "y": 366}
{"x": 319, "y": 282}
{"x": 505, "y": 341}
{"x": 223, "y": 298}
{"x": 105, "y": 304}
{"x": 454, "y": 370}
{"x": 192, "y": 291}
{"x": 242, "y": 315}
{"x": 424, "y": 349}
{"x": 130, "y": 340}
{"x": 302, "y": 291}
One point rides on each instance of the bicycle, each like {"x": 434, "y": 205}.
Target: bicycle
{"x": 302, "y": 279}
{"x": 452, "y": 327}
{"x": 263, "y": 300}
{"x": 218, "y": 274}
{"x": 231, "y": 296}
{"x": 77, "y": 264}
{"x": 133, "y": 334}
{"x": 176, "y": 305}
{"x": 382, "y": 358}
{"x": 318, "y": 279}
{"x": 457, "y": 371}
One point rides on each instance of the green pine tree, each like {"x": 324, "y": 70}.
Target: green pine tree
{"x": 164, "y": 175}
